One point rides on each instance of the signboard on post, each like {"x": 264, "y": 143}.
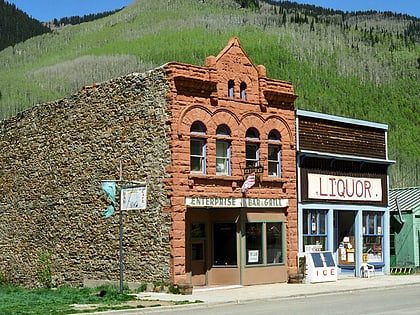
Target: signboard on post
{"x": 133, "y": 198}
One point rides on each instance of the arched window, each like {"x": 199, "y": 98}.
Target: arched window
{"x": 274, "y": 154}
{"x": 243, "y": 91}
{"x": 198, "y": 148}
{"x": 231, "y": 85}
{"x": 252, "y": 150}
{"x": 222, "y": 150}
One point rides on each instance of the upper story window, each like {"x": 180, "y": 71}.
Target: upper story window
{"x": 198, "y": 148}
{"x": 274, "y": 154}
{"x": 243, "y": 91}
{"x": 231, "y": 86}
{"x": 252, "y": 150}
{"x": 222, "y": 150}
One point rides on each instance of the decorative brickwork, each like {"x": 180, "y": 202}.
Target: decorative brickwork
{"x": 201, "y": 94}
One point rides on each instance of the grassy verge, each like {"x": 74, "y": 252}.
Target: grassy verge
{"x": 66, "y": 300}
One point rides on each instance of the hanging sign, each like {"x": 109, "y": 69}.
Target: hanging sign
{"x": 133, "y": 198}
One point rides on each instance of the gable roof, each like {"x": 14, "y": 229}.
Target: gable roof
{"x": 234, "y": 45}
{"x": 408, "y": 199}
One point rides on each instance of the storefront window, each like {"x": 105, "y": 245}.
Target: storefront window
{"x": 274, "y": 243}
{"x": 372, "y": 236}
{"x": 224, "y": 244}
{"x": 314, "y": 228}
{"x": 253, "y": 243}
{"x": 263, "y": 243}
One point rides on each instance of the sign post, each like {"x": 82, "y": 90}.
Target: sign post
{"x": 121, "y": 248}
{"x": 133, "y": 196}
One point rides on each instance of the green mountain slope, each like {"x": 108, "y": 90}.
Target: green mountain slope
{"x": 16, "y": 26}
{"x": 364, "y": 65}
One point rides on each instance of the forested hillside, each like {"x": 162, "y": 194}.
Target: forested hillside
{"x": 363, "y": 65}
{"x": 16, "y": 26}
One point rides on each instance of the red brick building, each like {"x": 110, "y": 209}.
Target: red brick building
{"x": 229, "y": 120}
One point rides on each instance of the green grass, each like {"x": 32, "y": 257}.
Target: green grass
{"x": 18, "y": 300}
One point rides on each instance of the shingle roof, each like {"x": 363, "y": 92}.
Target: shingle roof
{"x": 408, "y": 199}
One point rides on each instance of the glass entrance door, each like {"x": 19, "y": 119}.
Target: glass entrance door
{"x": 344, "y": 238}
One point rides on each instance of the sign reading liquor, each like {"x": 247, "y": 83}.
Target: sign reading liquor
{"x": 344, "y": 188}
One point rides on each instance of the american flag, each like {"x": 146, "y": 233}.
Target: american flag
{"x": 248, "y": 183}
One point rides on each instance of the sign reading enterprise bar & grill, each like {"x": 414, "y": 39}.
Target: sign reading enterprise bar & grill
{"x": 218, "y": 202}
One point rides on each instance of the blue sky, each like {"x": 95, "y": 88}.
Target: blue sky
{"x": 47, "y": 10}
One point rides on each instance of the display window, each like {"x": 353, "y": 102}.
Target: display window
{"x": 314, "y": 228}
{"x": 372, "y": 236}
{"x": 264, "y": 243}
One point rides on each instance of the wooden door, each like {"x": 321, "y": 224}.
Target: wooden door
{"x": 198, "y": 262}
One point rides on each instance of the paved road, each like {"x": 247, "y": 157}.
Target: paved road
{"x": 401, "y": 300}
{"x": 382, "y": 294}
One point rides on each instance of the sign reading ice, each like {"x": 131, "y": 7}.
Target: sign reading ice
{"x": 344, "y": 188}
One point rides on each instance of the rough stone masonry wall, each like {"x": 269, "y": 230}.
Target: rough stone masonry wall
{"x": 52, "y": 160}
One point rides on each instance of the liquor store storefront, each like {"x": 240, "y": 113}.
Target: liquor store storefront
{"x": 236, "y": 240}
{"x": 343, "y": 190}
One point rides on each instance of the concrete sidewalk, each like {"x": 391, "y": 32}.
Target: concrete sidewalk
{"x": 238, "y": 294}
{"x": 241, "y": 294}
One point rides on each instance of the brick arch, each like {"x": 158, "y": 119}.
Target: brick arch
{"x": 228, "y": 118}
{"x": 191, "y": 114}
{"x": 249, "y": 120}
{"x": 279, "y": 124}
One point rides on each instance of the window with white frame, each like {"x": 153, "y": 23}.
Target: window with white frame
{"x": 314, "y": 228}
{"x": 274, "y": 154}
{"x": 222, "y": 150}
{"x": 373, "y": 235}
{"x": 252, "y": 150}
{"x": 197, "y": 148}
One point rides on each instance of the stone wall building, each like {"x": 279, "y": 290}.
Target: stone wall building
{"x": 194, "y": 135}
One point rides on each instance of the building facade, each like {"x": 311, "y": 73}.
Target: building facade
{"x": 215, "y": 146}
{"x": 342, "y": 167}
{"x": 228, "y": 119}
{"x": 404, "y": 206}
